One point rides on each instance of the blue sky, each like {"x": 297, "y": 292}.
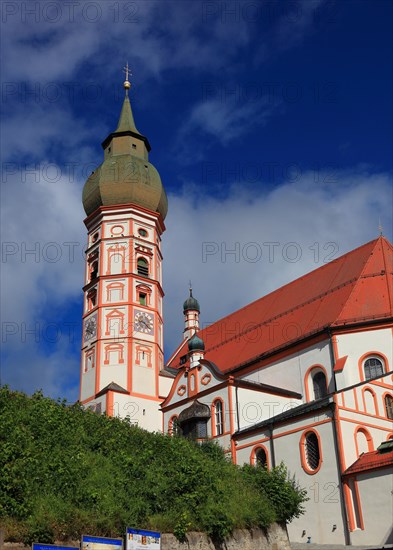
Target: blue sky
{"x": 270, "y": 124}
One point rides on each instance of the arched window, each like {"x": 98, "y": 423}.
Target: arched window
{"x": 218, "y": 418}
{"x": 370, "y": 401}
{"x": 260, "y": 458}
{"x": 363, "y": 441}
{"x": 373, "y": 367}
{"x": 319, "y": 385}
{"x": 389, "y": 406}
{"x": 143, "y": 267}
{"x": 311, "y": 452}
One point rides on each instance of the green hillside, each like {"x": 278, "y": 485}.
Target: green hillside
{"x": 64, "y": 471}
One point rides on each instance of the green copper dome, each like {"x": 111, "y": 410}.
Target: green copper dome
{"x": 126, "y": 176}
{"x": 196, "y": 344}
{"x": 191, "y": 304}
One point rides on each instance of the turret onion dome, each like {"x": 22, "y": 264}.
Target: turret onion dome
{"x": 191, "y": 304}
{"x": 196, "y": 344}
{"x": 126, "y": 176}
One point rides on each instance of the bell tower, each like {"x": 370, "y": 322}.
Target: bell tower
{"x": 122, "y": 341}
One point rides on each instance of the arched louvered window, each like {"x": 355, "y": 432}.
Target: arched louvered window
{"x": 373, "y": 367}
{"x": 143, "y": 267}
{"x": 389, "y": 406}
{"x": 311, "y": 452}
{"x": 319, "y": 385}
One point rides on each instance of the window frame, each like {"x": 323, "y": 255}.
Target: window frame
{"x": 309, "y": 383}
{"x": 367, "y": 435}
{"x": 373, "y": 358}
{"x": 388, "y": 409}
{"x": 254, "y": 459}
{"x": 218, "y": 423}
{"x": 141, "y": 270}
{"x": 370, "y": 355}
{"x": 303, "y": 453}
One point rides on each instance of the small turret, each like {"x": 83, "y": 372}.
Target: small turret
{"x": 196, "y": 350}
{"x": 191, "y": 312}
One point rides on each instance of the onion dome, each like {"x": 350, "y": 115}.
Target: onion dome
{"x": 191, "y": 304}
{"x": 196, "y": 344}
{"x": 126, "y": 176}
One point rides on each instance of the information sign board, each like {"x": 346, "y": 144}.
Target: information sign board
{"x": 39, "y": 546}
{"x": 139, "y": 539}
{"x": 100, "y": 543}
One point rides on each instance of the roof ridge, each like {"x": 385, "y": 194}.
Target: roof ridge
{"x": 280, "y": 288}
{"x": 379, "y": 240}
{"x": 386, "y": 242}
{"x": 375, "y": 241}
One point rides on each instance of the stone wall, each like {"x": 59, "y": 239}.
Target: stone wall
{"x": 274, "y": 538}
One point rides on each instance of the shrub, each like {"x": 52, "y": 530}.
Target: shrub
{"x": 66, "y": 470}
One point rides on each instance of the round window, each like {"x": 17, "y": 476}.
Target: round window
{"x": 142, "y": 232}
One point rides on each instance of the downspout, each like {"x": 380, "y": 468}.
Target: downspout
{"x": 237, "y": 408}
{"x": 347, "y": 536}
{"x": 273, "y": 454}
{"x": 333, "y": 358}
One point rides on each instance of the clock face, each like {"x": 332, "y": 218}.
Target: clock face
{"x": 144, "y": 322}
{"x": 90, "y": 328}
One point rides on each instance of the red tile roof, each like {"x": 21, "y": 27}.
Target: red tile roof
{"x": 370, "y": 461}
{"x": 355, "y": 288}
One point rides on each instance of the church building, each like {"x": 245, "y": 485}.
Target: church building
{"x": 302, "y": 375}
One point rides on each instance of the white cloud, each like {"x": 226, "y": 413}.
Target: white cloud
{"x": 227, "y": 119}
{"x": 42, "y": 273}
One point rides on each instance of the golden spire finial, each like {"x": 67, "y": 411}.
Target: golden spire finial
{"x": 127, "y": 83}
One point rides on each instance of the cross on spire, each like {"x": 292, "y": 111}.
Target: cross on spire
{"x": 380, "y": 228}
{"x": 127, "y": 84}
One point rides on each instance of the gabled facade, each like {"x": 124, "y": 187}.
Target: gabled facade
{"x": 304, "y": 376}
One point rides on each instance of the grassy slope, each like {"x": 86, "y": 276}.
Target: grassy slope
{"x": 64, "y": 471}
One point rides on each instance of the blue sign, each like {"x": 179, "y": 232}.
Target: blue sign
{"x": 38, "y": 546}
{"x": 101, "y": 540}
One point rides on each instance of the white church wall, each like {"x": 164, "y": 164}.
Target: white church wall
{"x": 356, "y": 345}
{"x": 289, "y": 372}
{"x": 255, "y": 406}
{"x": 372, "y": 430}
{"x": 323, "y": 510}
{"x": 144, "y": 413}
{"x": 164, "y": 384}
{"x": 375, "y": 494}
{"x": 143, "y": 371}
{"x": 113, "y": 364}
